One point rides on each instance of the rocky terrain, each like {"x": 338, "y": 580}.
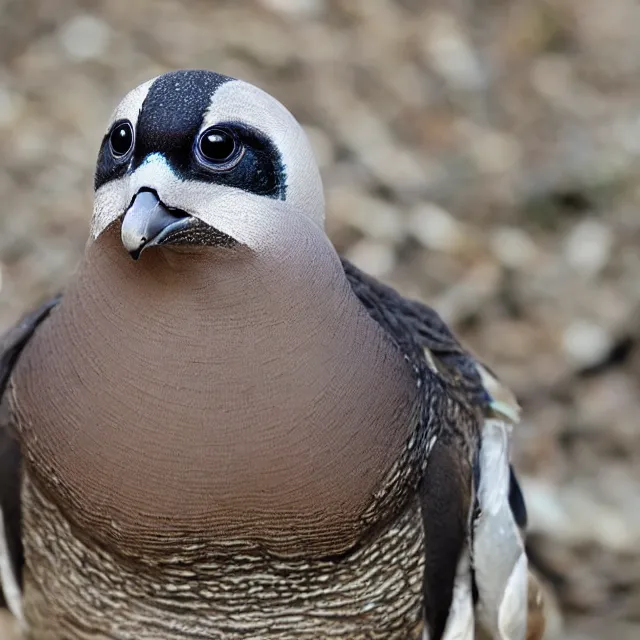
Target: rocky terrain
{"x": 482, "y": 155}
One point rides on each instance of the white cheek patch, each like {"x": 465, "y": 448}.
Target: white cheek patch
{"x": 110, "y": 199}
{"x": 113, "y": 197}
{"x": 238, "y": 101}
{"x": 108, "y": 204}
{"x": 248, "y": 218}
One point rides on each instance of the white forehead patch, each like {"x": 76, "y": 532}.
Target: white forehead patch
{"x": 130, "y": 106}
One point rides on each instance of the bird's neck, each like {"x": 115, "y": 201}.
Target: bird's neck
{"x": 243, "y": 395}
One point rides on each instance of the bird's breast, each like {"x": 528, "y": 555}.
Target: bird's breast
{"x": 154, "y": 412}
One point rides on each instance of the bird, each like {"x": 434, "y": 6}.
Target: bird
{"x": 223, "y": 429}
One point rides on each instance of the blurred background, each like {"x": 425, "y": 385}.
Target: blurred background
{"x": 481, "y": 155}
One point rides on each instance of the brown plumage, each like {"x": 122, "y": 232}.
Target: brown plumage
{"x": 138, "y": 402}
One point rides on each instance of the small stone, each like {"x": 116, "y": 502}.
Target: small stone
{"x": 85, "y": 37}
{"x": 33, "y": 142}
{"x": 574, "y": 514}
{"x": 10, "y": 106}
{"x": 465, "y": 298}
{"x": 588, "y": 247}
{"x": 323, "y": 148}
{"x": 552, "y": 77}
{"x": 492, "y": 151}
{"x": 586, "y": 343}
{"x": 376, "y": 258}
{"x": 513, "y": 247}
{"x": 372, "y": 217}
{"x": 297, "y": 8}
{"x": 451, "y": 54}
{"x": 436, "y": 228}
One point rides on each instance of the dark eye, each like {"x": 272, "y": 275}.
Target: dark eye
{"x": 121, "y": 139}
{"x": 220, "y": 148}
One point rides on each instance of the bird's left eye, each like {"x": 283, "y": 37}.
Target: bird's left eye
{"x": 121, "y": 139}
{"x": 219, "y": 148}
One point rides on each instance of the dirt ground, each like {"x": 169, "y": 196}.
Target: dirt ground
{"x": 482, "y": 155}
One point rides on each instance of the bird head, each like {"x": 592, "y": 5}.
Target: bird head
{"x": 200, "y": 159}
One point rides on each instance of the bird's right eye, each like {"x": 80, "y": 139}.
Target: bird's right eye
{"x": 121, "y": 139}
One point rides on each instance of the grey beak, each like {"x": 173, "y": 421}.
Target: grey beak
{"x": 147, "y": 222}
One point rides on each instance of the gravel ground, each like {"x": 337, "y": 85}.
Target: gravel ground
{"x": 479, "y": 154}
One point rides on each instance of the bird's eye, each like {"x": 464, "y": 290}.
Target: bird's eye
{"x": 220, "y": 148}
{"x": 121, "y": 139}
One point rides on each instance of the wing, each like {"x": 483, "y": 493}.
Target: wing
{"x": 479, "y": 571}
{"x": 445, "y": 352}
{"x": 445, "y": 487}
{"x": 11, "y": 554}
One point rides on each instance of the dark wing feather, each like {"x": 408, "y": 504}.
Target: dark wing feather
{"x": 422, "y": 334}
{"x": 445, "y": 499}
{"x": 11, "y": 344}
{"x": 433, "y": 334}
{"x": 445, "y": 485}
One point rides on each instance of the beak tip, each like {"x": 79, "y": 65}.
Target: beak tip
{"x": 133, "y": 246}
{"x": 144, "y": 222}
